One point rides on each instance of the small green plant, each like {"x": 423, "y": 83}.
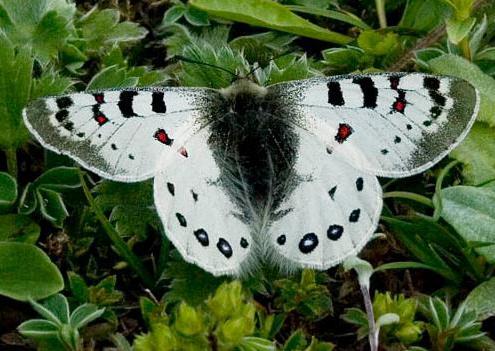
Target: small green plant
{"x": 309, "y": 296}
{"x": 227, "y": 320}
{"x": 395, "y": 315}
{"x": 447, "y": 327}
{"x": 60, "y": 328}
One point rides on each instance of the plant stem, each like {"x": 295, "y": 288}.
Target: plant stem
{"x": 411, "y": 196}
{"x": 466, "y": 50}
{"x": 382, "y": 16}
{"x": 368, "y": 305}
{"x": 11, "y": 155}
{"x": 119, "y": 244}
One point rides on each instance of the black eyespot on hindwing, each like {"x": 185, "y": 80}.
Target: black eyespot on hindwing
{"x": 335, "y": 231}
{"x": 224, "y": 247}
{"x": 181, "y": 219}
{"x": 308, "y": 243}
{"x": 171, "y": 189}
{"x": 244, "y": 243}
{"x": 354, "y": 216}
{"x": 281, "y": 239}
{"x": 202, "y": 237}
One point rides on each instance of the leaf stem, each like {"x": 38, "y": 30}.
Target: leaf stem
{"x": 382, "y": 16}
{"x": 11, "y": 155}
{"x": 120, "y": 245}
{"x": 410, "y": 196}
{"x": 368, "y": 305}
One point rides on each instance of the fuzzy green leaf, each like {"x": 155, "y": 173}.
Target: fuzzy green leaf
{"x": 457, "y": 66}
{"x": 43, "y": 25}
{"x": 15, "y": 85}
{"x": 131, "y": 206}
{"x": 17, "y": 227}
{"x": 482, "y": 300}
{"x": 424, "y": 15}
{"x": 471, "y": 211}
{"x": 268, "y": 14}
{"x": 477, "y": 152}
{"x": 26, "y": 272}
{"x": 8, "y": 192}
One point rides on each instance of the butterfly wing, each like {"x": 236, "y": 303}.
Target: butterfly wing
{"x": 330, "y": 214}
{"x": 391, "y": 124}
{"x": 119, "y": 135}
{"x": 200, "y": 217}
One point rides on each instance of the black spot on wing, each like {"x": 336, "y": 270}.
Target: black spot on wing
{"x": 61, "y": 115}
{"x": 181, "y": 219}
{"x": 335, "y": 94}
{"x": 332, "y": 191}
{"x": 397, "y": 139}
{"x": 69, "y": 126}
{"x": 354, "y": 216}
{"x": 171, "y": 188}
{"x": 114, "y": 147}
{"x": 370, "y": 92}
{"x": 202, "y": 237}
{"x": 158, "y": 103}
{"x": 308, "y": 243}
{"x": 194, "y": 195}
{"x": 432, "y": 83}
{"x": 244, "y": 243}
{"x": 359, "y": 184}
{"x": 335, "y": 231}
{"x": 125, "y": 103}
{"x": 224, "y": 247}
{"x": 64, "y": 102}
{"x": 281, "y": 239}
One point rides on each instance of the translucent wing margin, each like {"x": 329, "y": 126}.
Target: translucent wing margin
{"x": 199, "y": 217}
{"x": 120, "y": 134}
{"x": 391, "y": 124}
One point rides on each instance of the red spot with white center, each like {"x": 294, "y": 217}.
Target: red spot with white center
{"x": 343, "y": 132}
{"x": 399, "y": 106}
{"x": 99, "y": 98}
{"x": 163, "y": 137}
{"x": 101, "y": 119}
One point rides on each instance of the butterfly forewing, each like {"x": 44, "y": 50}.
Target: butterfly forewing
{"x": 391, "y": 124}
{"x": 119, "y": 135}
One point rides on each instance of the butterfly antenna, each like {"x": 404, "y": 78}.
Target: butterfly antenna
{"x": 185, "y": 59}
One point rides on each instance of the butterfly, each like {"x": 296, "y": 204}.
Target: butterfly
{"x": 284, "y": 174}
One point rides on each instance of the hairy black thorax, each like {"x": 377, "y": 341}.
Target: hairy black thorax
{"x": 255, "y": 147}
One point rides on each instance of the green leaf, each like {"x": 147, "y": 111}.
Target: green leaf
{"x": 477, "y": 152}
{"x": 252, "y": 343}
{"x": 59, "y": 306}
{"x": 78, "y": 287}
{"x": 196, "y": 17}
{"x": 15, "y": 85}
{"x": 26, "y": 272}
{"x": 8, "y": 192}
{"x": 173, "y": 14}
{"x": 378, "y": 44}
{"x": 43, "y": 25}
{"x": 49, "y": 84}
{"x": 44, "y": 193}
{"x": 84, "y": 315}
{"x": 131, "y": 206}
{"x": 38, "y": 328}
{"x": 423, "y": 15}
{"x": 268, "y": 14}
{"x": 296, "y": 342}
{"x": 180, "y": 274}
{"x": 285, "y": 69}
{"x": 471, "y": 211}
{"x": 342, "y": 16}
{"x": 17, "y": 227}
{"x": 111, "y": 77}
{"x": 101, "y": 29}
{"x": 458, "y": 30}
{"x": 456, "y": 66}
{"x": 482, "y": 300}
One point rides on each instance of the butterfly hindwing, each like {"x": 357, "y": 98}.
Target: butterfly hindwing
{"x": 119, "y": 135}
{"x": 391, "y": 124}
{"x": 330, "y": 214}
{"x": 199, "y": 217}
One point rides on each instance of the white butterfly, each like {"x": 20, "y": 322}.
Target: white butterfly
{"x": 285, "y": 174}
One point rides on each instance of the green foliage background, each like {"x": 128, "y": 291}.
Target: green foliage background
{"x": 90, "y": 258}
